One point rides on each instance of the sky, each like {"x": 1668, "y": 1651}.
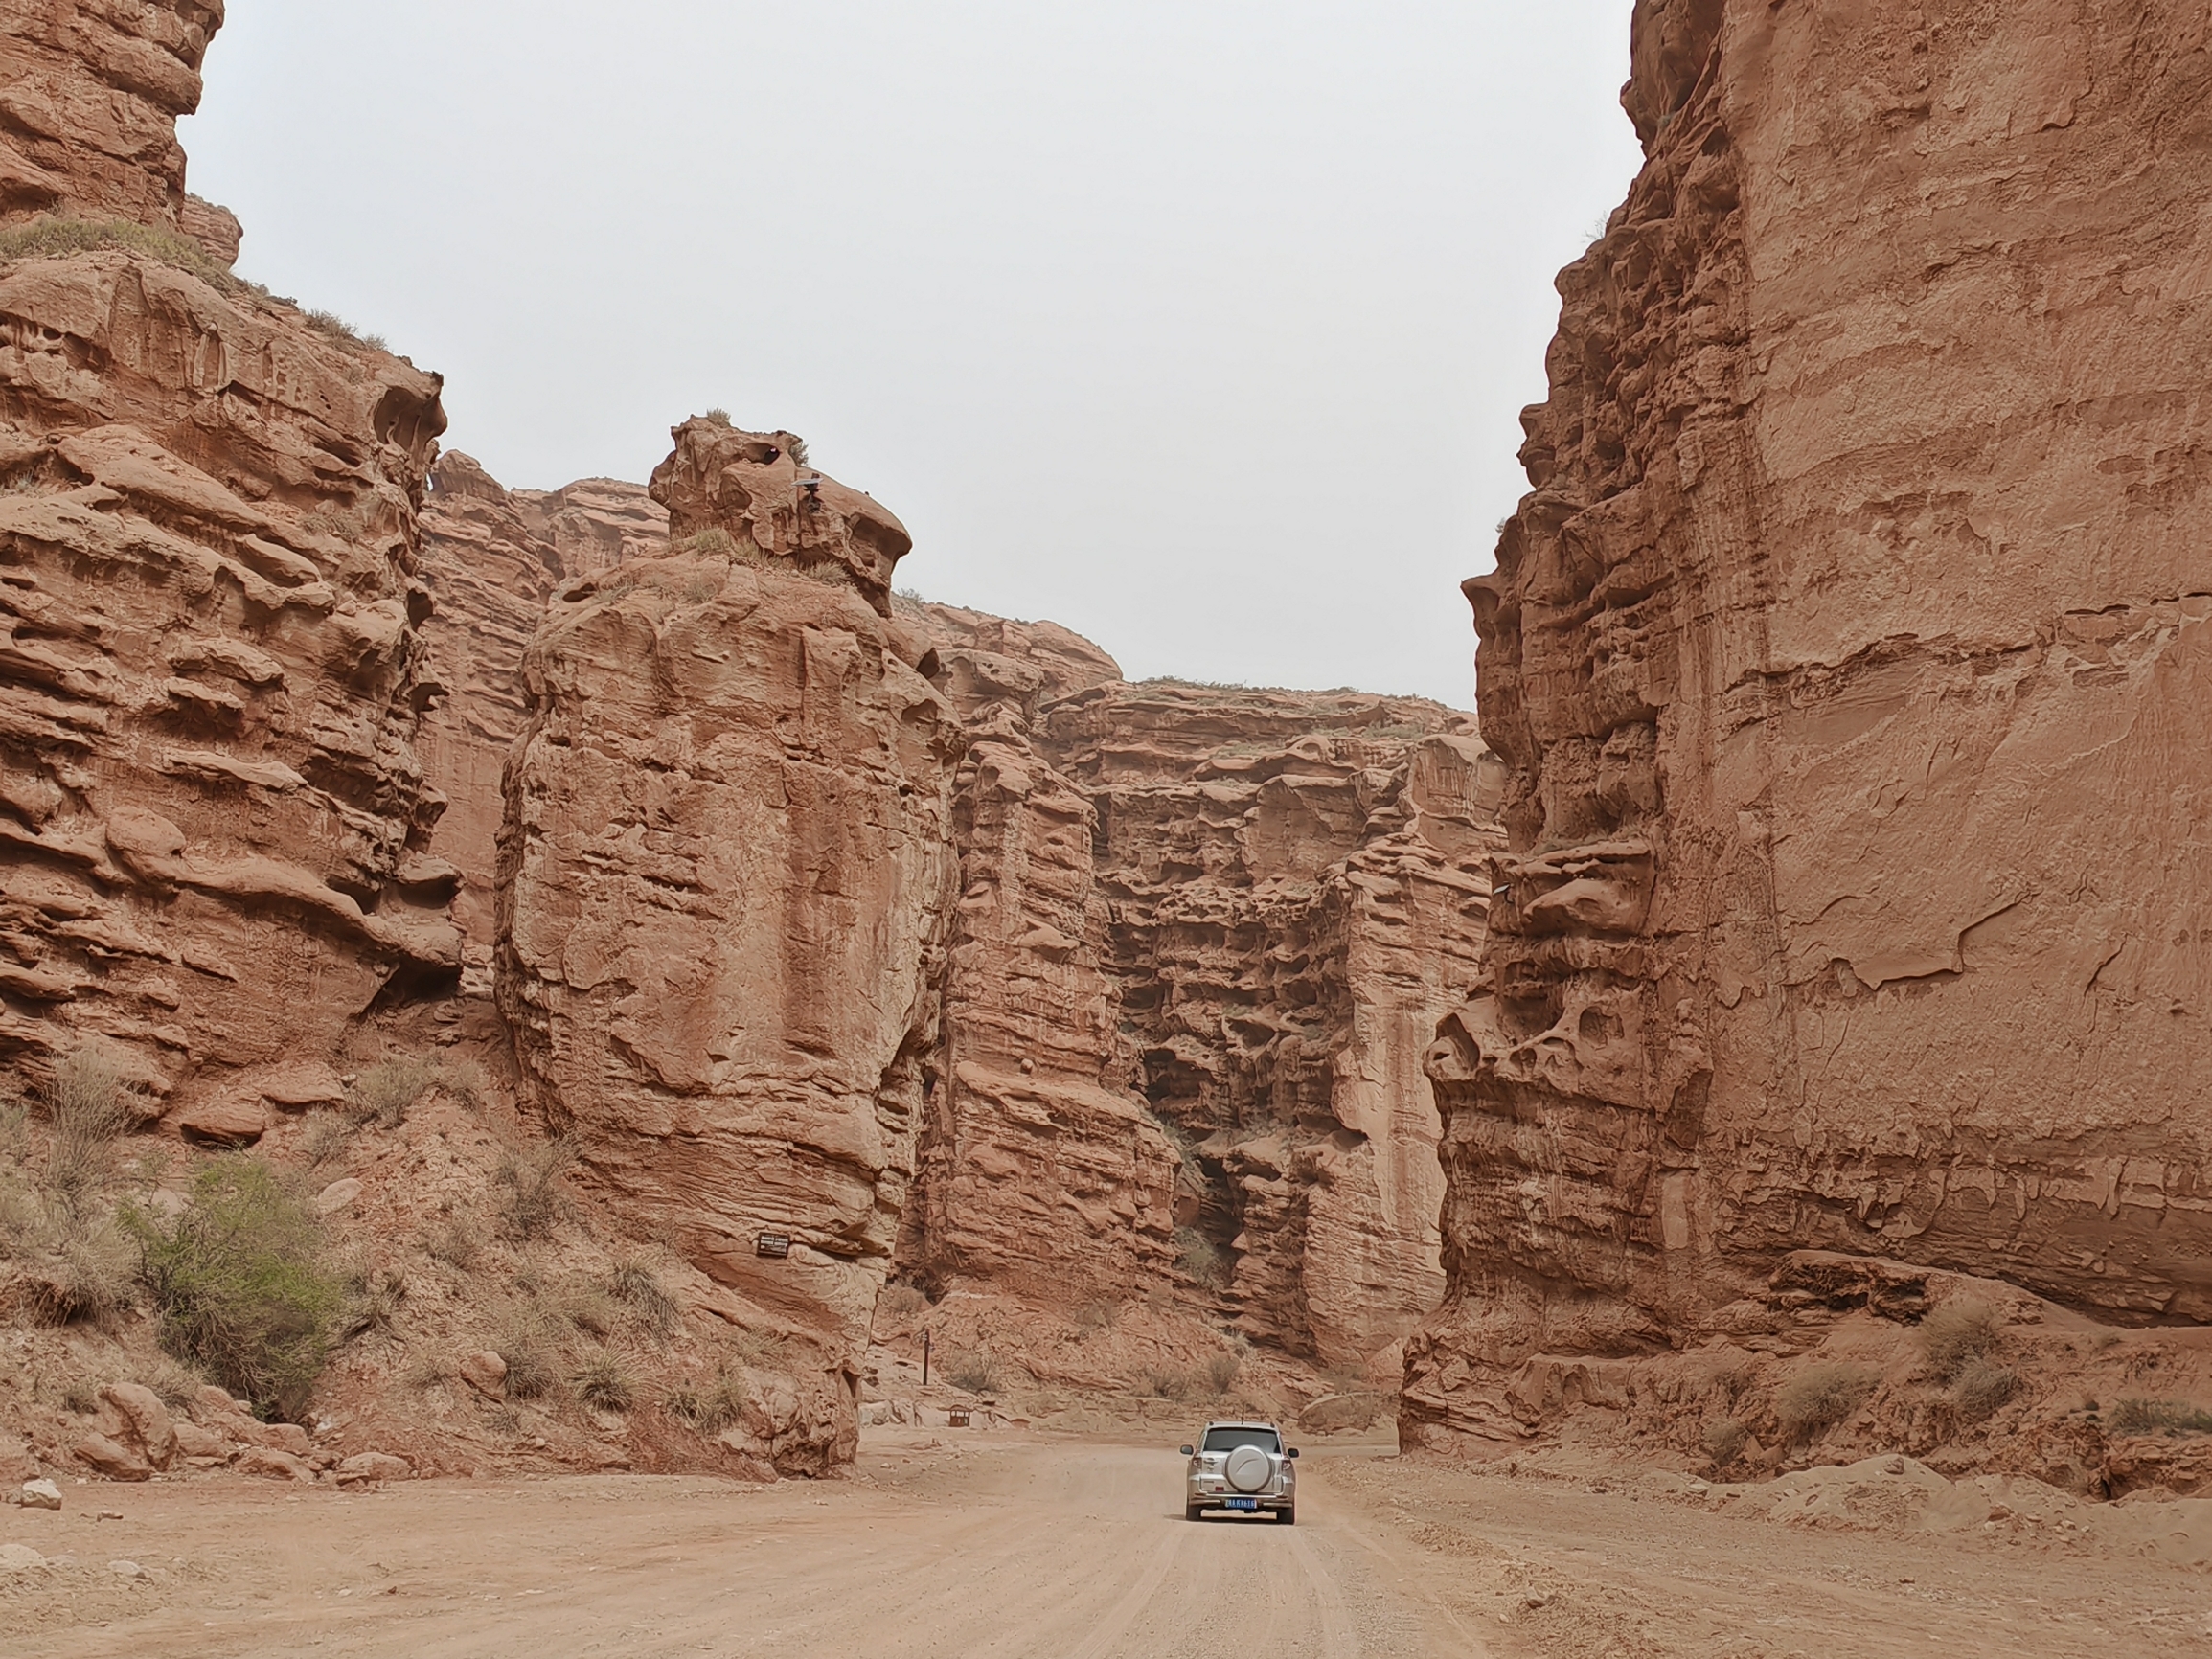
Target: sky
{"x": 1201, "y": 327}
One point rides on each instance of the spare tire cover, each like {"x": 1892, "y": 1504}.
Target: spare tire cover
{"x": 1249, "y": 1469}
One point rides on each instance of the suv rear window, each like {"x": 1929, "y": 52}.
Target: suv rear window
{"x": 1225, "y": 1439}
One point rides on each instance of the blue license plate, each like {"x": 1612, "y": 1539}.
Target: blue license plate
{"x": 1241, "y": 1503}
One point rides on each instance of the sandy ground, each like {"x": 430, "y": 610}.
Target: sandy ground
{"x": 944, "y": 1544}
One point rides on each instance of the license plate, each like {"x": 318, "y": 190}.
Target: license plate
{"x": 1241, "y": 1503}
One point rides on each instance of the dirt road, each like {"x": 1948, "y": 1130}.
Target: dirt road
{"x": 1043, "y": 1549}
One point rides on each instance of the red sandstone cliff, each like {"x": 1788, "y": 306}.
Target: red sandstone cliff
{"x": 1849, "y": 659}
{"x": 726, "y": 871}
{"x": 209, "y": 602}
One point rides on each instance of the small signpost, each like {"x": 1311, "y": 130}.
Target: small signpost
{"x": 775, "y": 1246}
{"x": 959, "y": 1417}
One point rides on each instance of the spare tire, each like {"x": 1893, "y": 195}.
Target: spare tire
{"x": 1249, "y": 1469}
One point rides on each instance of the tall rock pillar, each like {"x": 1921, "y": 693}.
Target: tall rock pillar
{"x": 725, "y": 873}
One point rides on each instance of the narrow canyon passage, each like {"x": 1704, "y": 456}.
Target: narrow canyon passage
{"x": 944, "y": 1545}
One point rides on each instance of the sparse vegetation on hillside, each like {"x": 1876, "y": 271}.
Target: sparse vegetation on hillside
{"x": 2157, "y": 1417}
{"x": 57, "y": 237}
{"x": 1958, "y": 1333}
{"x": 970, "y": 1369}
{"x": 1724, "y": 1441}
{"x": 531, "y": 1199}
{"x": 240, "y": 1286}
{"x": 386, "y": 1092}
{"x": 90, "y": 1104}
{"x": 1822, "y": 1396}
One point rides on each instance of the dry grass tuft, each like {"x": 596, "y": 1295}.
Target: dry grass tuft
{"x": 1958, "y": 1333}
{"x": 602, "y": 1382}
{"x": 1724, "y": 1441}
{"x": 1223, "y": 1369}
{"x": 970, "y": 1370}
{"x": 1980, "y": 1389}
{"x": 2157, "y": 1417}
{"x": 1196, "y": 1254}
{"x": 386, "y": 1092}
{"x": 531, "y": 1201}
{"x": 90, "y": 1104}
{"x": 638, "y": 1287}
{"x": 1823, "y": 1396}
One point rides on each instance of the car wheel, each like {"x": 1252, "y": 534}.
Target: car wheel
{"x": 1290, "y": 1516}
{"x": 1194, "y": 1513}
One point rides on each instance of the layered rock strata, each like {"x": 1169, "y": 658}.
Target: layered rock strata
{"x": 1295, "y": 892}
{"x": 726, "y": 875}
{"x": 1849, "y": 659}
{"x": 210, "y": 669}
{"x": 1218, "y": 917}
{"x": 492, "y": 559}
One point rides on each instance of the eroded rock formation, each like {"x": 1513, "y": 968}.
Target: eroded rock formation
{"x": 209, "y": 599}
{"x": 1213, "y": 916}
{"x": 726, "y": 875}
{"x": 1850, "y": 662}
{"x": 494, "y": 558}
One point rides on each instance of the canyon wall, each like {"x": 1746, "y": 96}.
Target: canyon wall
{"x": 1205, "y": 935}
{"x": 209, "y": 598}
{"x": 726, "y": 872}
{"x": 1849, "y": 661}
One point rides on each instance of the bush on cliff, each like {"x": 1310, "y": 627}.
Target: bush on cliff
{"x": 240, "y": 1288}
{"x": 1958, "y": 1333}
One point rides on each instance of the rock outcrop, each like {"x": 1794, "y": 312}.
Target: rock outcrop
{"x": 89, "y": 99}
{"x": 1204, "y": 936}
{"x": 209, "y": 603}
{"x": 1850, "y": 662}
{"x": 726, "y": 875}
{"x": 493, "y": 559}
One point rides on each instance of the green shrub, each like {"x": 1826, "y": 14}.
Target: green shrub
{"x": 1822, "y": 1396}
{"x": 602, "y": 1382}
{"x": 1958, "y": 1333}
{"x": 2157, "y": 1417}
{"x": 531, "y": 1201}
{"x": 638, "y": 1287}
{"x": 240, "y": 1286}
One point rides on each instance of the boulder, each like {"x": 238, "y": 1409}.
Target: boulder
{"x": 272, "y": 1464}
{"x": 226, "y": 1121}
{"x": 374, "y": 1468}
{"x": 303, "y": 1086}
{"x": 336, "y": 1196}
{"x": 486, "y": 1372}
{"x": 117, "y": 1463}
{"x": 39, "y": 1494}
{"x": 143, "y": 1421}
{"x": 19, "y": 1558}
{"x": 201, "y": 1447}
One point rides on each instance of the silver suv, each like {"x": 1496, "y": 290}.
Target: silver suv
{"x": 1241, "y": 1465}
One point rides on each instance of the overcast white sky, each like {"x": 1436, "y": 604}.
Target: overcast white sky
{"x": 1199, "y": 326}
